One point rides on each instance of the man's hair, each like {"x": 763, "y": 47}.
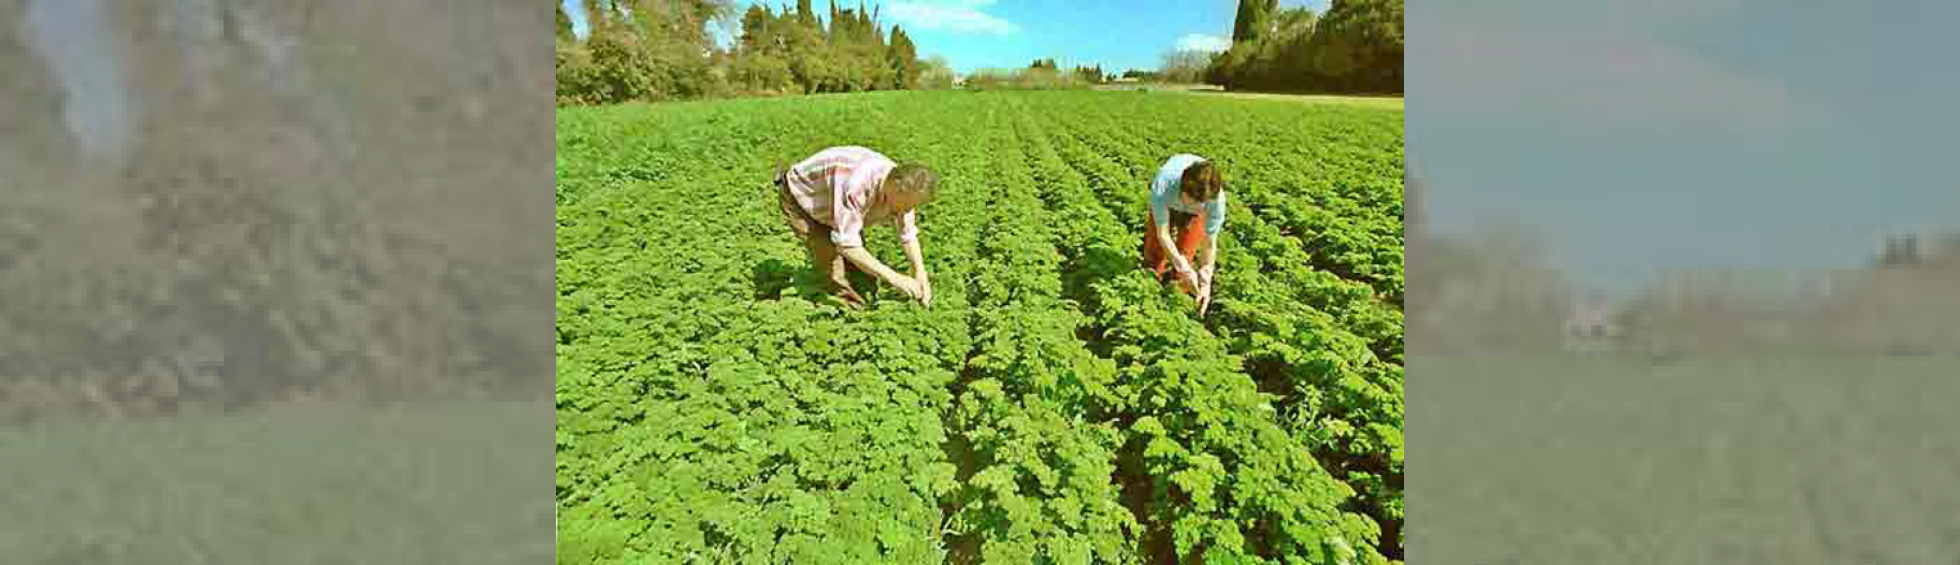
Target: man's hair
{"x": 1202, "y": 181}
{"x": 913, "y": 179}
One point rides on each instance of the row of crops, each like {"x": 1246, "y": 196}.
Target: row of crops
{"x": 1054, "y": 405}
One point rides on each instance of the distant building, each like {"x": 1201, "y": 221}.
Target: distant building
{"x": 1592, "y": 326}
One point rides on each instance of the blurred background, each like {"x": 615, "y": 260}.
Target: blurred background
{"x": 277, "y": 282}
{"x": 1714, "y": 175}
{"x": 223, "y": 202}
{"x": 1682, "y": 282}
{"x": 1500, "y": 287}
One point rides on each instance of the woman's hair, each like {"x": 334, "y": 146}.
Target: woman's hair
{"x": 1202, "y": 181}
{"x": 913, "y": 179}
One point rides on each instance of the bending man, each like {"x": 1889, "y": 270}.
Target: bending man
{"x": 829, "y": 197}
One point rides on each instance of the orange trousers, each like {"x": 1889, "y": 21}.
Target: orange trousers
{"x": 1189, "y": 232}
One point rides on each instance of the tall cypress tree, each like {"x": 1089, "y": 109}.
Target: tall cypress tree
{"x": 597, "y": 14}
{"x": 904, "y": 58}
{"x": 1251, "y": 19}
{"x": 832, "y": 32}
{"x": 756, "y": 35}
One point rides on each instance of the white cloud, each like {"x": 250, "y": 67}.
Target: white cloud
{"x": 1616, "y": 79}
{"x": 1587, "y": 14}
{"x": 1202, "y": 42}
{"x": 959, "y": 16}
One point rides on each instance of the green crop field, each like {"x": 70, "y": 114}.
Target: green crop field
{"x": 1054, "y": 405}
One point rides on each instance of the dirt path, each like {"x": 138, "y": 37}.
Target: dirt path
{"x": 1370, "y": 101}
{"x": 1214, "y": 90}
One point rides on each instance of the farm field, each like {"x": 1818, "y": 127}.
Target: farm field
{"x": 1608, "y": 459}
{"x": 1054, "y": 405}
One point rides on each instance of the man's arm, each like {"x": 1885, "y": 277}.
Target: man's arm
{"x": 917, "y": 257}
{"x": 864, "y": 260}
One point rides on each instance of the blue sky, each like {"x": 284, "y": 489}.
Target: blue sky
{"x": 975, "y": 34}
{"x": 74, "y": 37}
{"x": 1637, "y": 138}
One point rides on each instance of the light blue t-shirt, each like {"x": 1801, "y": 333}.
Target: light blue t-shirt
{"x": 1164, "y": 195}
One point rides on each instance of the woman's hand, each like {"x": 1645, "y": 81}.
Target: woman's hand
{"x": 1204, "y": 298}
{"x": 1190, "y": 280}
{"x": 1205, "y": 281}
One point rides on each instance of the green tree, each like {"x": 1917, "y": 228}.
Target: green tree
{"x": 1252, "y": 18}
{"x": 758, "y": 33}
{"x": 1090, "y": 74}
{"x": 904, "y": 59}
{"x": 935, "y": 73}
{"x": 806, "y": 15}
{"x": 831, "y": 31}
{"x": 1356, "y": 46}
{"x": 597, "y": 14}
{"x": 1185, "y": 65}
{"x": 1359, "y": 45}
{"x": 679, "y": 20}
{"x": 661, "y": 49}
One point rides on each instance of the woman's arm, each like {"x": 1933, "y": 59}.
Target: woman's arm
{"x": 1214, "y": 224}
{"x": 1206, "y": 275}
{"x": 1210, "y": 257}
{"x": 1178, "y": 262}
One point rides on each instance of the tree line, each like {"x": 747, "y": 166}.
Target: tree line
{"x": 662, "y": 50}
{"x": 1042, "y": 74}
{"x": 1356, "y": 46}
{"x": 1492, "y": 290}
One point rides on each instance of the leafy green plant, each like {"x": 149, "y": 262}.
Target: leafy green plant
{"x": 1054, "y": 405}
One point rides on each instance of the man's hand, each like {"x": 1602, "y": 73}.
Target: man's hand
{"x": 908, "y": 285}
{"x": 918, "y": 287}
{"x": 917, "y": 257}
{"x": 915, "y": 288}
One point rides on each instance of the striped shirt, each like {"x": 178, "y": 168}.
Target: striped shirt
{"x": 837, "y": 186}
